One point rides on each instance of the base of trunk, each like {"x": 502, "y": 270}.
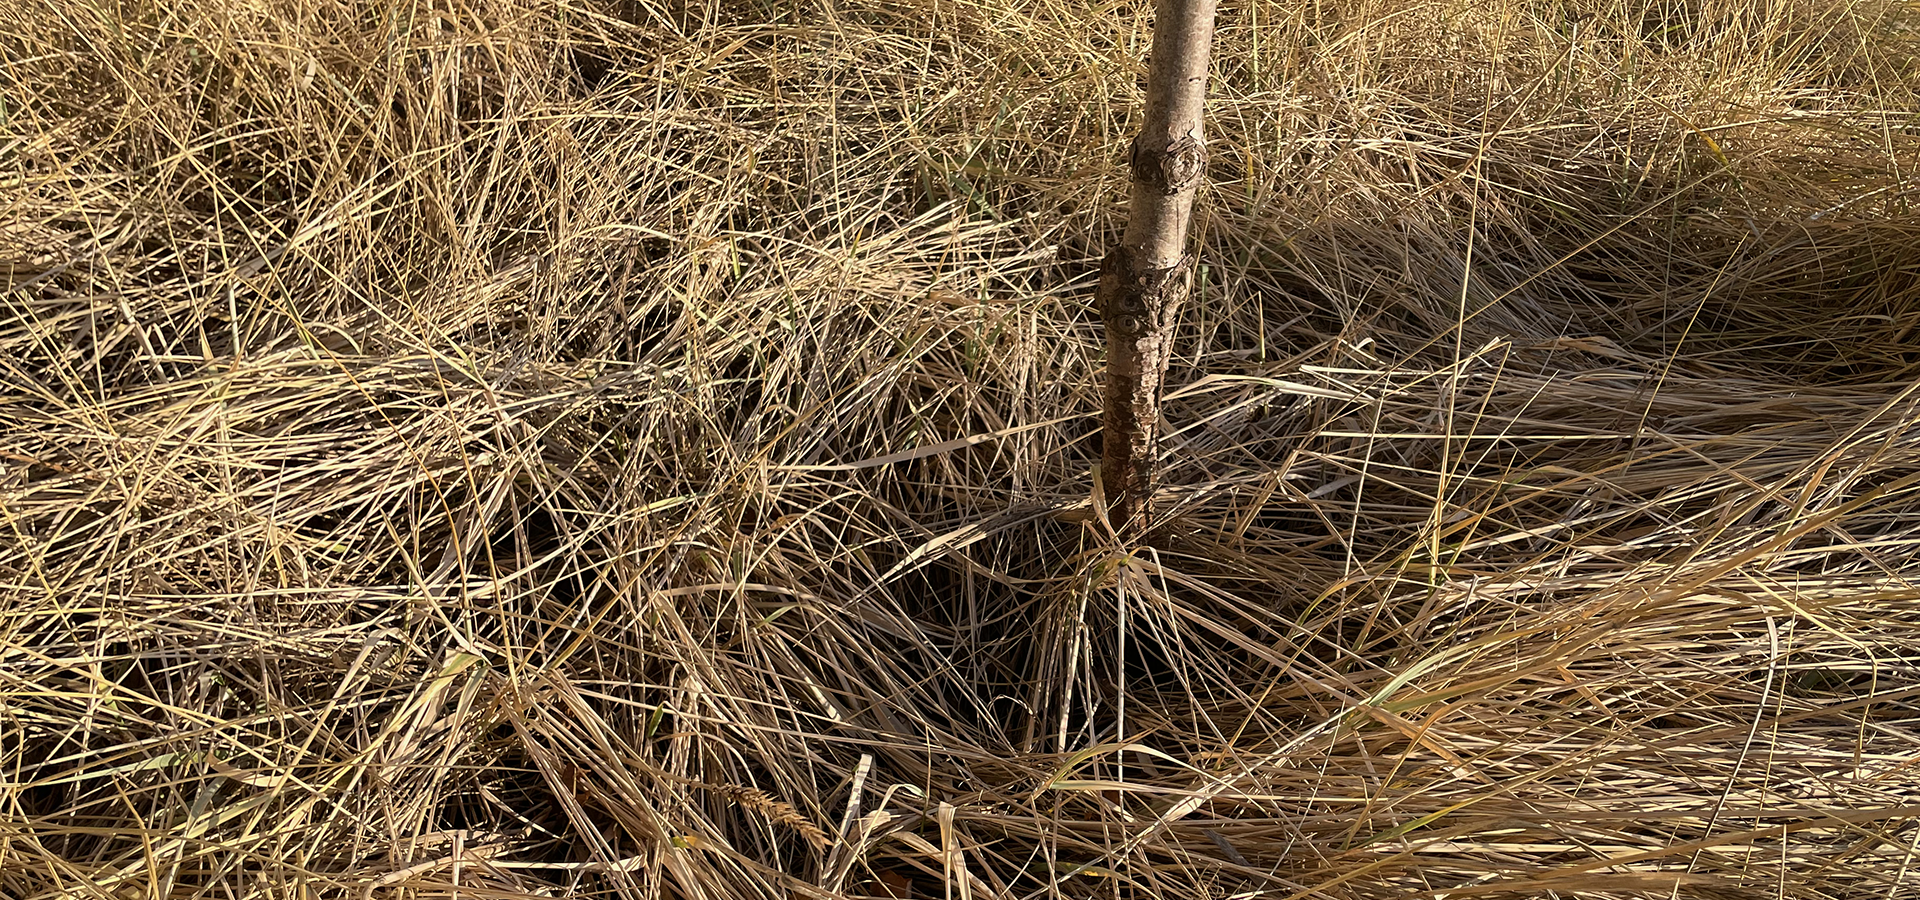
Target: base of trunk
{"x": 1139, "y": 306}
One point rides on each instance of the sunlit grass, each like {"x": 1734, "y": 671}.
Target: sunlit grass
{"x": 515, "y": 449}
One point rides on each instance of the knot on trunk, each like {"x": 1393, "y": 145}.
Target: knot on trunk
{"x": 1168, "y": 163}
{"x": 1135, "y": 302}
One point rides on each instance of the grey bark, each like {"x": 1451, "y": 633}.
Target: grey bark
{"x": 1144, "y": 280}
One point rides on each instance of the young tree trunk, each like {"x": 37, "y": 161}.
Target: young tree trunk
{"x": 1144, "y": 280}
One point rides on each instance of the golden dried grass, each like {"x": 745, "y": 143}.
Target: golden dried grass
{"x": 518, "y": 449}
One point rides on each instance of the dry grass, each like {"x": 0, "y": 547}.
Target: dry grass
{"x": 507, "y": 449}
